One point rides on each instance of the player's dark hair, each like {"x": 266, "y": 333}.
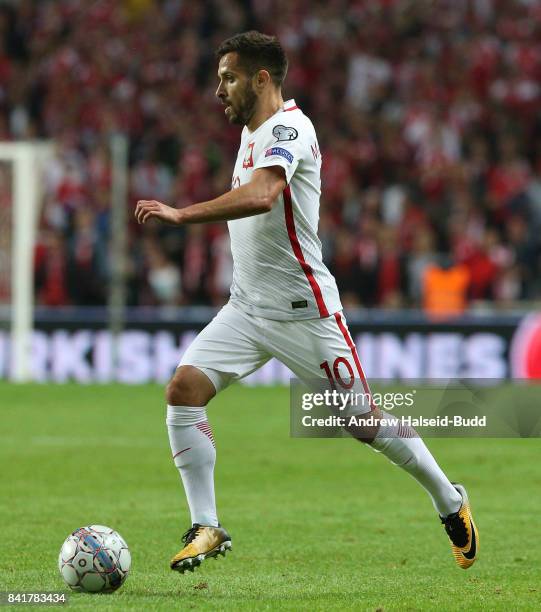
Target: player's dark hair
{"x": 257, "y": 51}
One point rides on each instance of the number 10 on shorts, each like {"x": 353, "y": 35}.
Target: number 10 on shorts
{"x": 337, "y": 378}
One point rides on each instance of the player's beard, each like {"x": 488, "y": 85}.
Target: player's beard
{"x": 242, "y": 114}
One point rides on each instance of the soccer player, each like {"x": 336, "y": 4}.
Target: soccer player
{"x": 284, "y": 302}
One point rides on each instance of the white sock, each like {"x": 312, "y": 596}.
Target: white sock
{"x": 403, "y": 446}
{"x": 194, "y": 454}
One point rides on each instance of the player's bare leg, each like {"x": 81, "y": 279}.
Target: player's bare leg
{"x": 194, "y": 454}
{"x": 403, "y": 447}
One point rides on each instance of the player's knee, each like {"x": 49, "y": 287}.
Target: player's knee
{"x": 189, "y": 387}
{"x": 365, "y": 432}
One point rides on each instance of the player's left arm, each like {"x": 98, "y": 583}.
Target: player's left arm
{"x": 253, "y": 198}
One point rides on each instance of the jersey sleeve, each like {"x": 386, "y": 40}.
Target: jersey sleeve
{"x": 282, "y": 146}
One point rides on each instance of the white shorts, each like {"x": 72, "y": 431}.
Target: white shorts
{"x": 234, "y": 344}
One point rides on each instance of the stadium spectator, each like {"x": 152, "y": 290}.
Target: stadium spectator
{"x": 445, "y": 288}
{"x": 87, "y": 267}
{"x": 163, "y": 277}
{"x": 51, "y": 270}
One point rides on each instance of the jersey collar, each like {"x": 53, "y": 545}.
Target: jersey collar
{"x": 289, "y": 105}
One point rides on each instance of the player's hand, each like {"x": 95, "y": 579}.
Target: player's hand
{"x": 148, "y": 209}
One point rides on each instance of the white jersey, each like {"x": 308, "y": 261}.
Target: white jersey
{"x": 278, "y": 271}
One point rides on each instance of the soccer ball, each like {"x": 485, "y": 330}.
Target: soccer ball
{"x": 94, "y": 559}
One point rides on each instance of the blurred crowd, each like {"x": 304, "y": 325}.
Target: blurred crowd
{"x": 427, "y": 113}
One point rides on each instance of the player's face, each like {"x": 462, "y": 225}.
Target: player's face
{"x": 235, "y": 90}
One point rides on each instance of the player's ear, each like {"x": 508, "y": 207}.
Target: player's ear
{"x": 261, "y": 79}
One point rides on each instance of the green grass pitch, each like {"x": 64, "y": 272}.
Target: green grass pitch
{"x": 316, "y": 524}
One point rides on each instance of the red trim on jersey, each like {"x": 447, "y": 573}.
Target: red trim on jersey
{"x": 353, "y": 350}
{"x": 292, "y": 233}
{"x": 182, "y": 451}
{"x": 292, "y": 108}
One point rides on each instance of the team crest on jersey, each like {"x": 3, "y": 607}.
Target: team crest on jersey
{"x": 249, "y": 156}
{"x": 283, "y": 133}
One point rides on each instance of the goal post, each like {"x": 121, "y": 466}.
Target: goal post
{"x": 27, "y": 159}
{"x": 119, "y": 151}
{"x": 22, "y": 192}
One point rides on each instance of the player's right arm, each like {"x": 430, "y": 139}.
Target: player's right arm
{"x": 253, "y": 198}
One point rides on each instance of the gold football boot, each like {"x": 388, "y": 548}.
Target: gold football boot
{"x": 200, "y": 543}
{"x": 462, "y": 532}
